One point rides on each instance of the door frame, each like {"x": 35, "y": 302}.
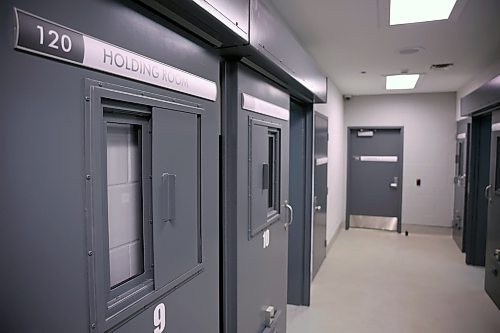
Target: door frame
{"x": 349, "y": 162}
{"x": 313, "y": 174}
{"x": 472, "y": 229}
{"x": 461, "y": 237}
{"x": 306, "y": 229}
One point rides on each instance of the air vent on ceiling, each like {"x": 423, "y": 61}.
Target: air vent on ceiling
{"x": 441, "y": 66}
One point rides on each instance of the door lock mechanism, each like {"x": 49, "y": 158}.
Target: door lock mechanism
{"x": 394, "y": 184}
{"x": 270, "y": 315}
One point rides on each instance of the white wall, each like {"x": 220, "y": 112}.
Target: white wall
{"x": 477, "y": 81}
{"x": 334, "y": 110}
{"x": 429, "y": 122}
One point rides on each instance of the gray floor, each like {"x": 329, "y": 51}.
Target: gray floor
{"x": 375, "y": 281}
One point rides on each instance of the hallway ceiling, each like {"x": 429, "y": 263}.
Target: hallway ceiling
{"x": 347, "y": 37}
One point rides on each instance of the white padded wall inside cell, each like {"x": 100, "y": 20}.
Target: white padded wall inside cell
{"x": 125, "y": 208}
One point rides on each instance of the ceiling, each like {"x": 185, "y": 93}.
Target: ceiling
{"x": 347, "y": 37}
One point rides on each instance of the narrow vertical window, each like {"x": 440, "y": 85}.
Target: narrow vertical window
{"x": 125, "y": 205}
{"x": 273, "y": 192}
{"x": 127, "y": 196}
{"x": 460, "y": 158}
{"x": 497, "y": 171}
{"x": 270, "y": 198}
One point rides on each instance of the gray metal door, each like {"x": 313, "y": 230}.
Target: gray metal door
{"x": 375, "y": 171}
{"x": 492, "y": 283}
{"x": 461, "y": 172}
{"x": 256, "y": 209}
{"x": 476, "y": 222}
{"x": 320, "y": 190}
{"x": 301, "y": 186}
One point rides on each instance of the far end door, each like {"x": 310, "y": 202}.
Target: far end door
{"x": 320, "y": 190}
{"x": 492, "y": 283}
{"x": 375, "y": 172}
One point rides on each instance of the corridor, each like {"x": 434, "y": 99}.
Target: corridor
{"x": 375, "y": 281}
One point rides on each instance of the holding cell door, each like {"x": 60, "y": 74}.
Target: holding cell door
{"x": 256, "y": 210}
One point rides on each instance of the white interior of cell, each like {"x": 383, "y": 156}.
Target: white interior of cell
{"x": 125, "y": 216}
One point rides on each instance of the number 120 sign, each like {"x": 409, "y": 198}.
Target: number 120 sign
{"x": 40, "y": 36}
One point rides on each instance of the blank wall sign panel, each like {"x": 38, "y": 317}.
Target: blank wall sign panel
{"x": 495, "y": 127}
{"x": 390, "y": 159}
{"x": 462, "y": 136}
{"x": 365, "y": 134}
{"x": 251, "y": 103}
{"x": 321, "y": 161}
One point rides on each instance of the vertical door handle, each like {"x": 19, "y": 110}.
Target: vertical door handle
{"x": 168, "y": 197}
{"x": 487, "y": 193}
{"x": 290, "y": 215}
{"x": 265, "y": 176}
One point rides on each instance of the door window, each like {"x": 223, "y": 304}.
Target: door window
{"x": 272, "y": 195}
{"x": 125, "y": 204}
{"x": 127, "y": 166}
{"x": 497, "y": 171}
{"x": 264, "y": 174}
{"x": 460, "y": 158}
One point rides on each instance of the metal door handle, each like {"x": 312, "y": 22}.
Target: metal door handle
{"x": 317, "y": 208}
{"x": 487, "y": 191}
{"x": 168, "y": 189}
{"x": 497, "y": 254}
{"x": 290, "y": 216}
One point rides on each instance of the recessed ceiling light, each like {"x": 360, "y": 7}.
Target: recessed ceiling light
{"x": 413, "y": 11}
{"x": 401, "y": 81}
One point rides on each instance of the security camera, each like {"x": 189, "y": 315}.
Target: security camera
{"x": 347, "y": 97}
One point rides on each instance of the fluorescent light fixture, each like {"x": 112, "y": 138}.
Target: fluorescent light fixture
{"x": 401, "y": 81}
{"x": 413, "y": 11}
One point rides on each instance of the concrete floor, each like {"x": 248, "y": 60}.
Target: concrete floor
{"x": 376, "y": 281}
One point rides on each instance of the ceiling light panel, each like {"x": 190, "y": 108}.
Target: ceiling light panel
{"x": 414, "y": 11}
{"x": 401, "y": 81}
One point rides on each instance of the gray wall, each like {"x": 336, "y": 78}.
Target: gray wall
{"x": 429, "y": 148}
{"x": 334, "y": 109}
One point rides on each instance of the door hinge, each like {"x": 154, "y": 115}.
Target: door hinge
{"x": 326, "y": 243}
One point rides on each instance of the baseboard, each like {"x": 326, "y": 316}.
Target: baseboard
{"x": 339, "y": 230}
{"x": 426, "y": 229}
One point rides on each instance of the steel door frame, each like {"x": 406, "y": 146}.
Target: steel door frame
{"x": 349, "y": 162}
{"x": 314, "y": 189}
{"x": 460, "y": 235}
{"x": 305, "y": 232}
